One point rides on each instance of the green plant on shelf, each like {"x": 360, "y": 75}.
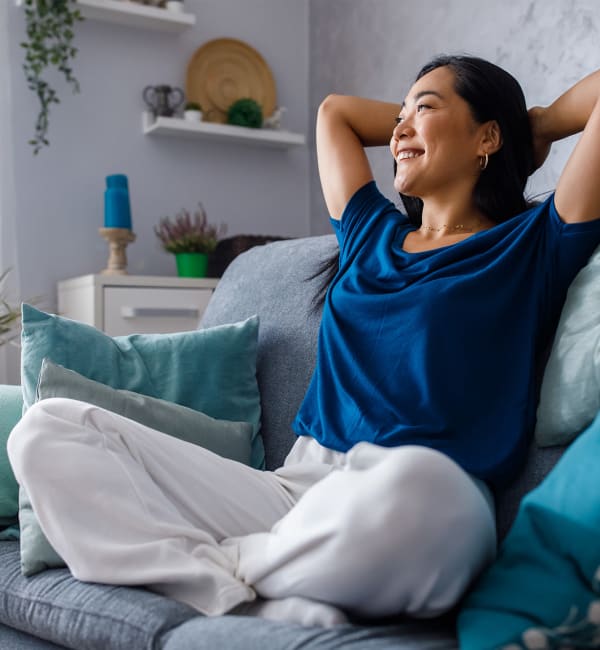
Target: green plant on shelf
{"x": 189, "y": 233}
{"x": 245, "y": 112}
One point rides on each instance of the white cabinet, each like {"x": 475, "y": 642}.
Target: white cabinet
{"x": 128, "y": 304}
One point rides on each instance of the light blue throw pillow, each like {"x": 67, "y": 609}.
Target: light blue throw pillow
{"x": 543, "y": 591}
{"x": 228, "y": 439}
{"x": 570, "y": 393}
{"x": 211, "y": 370}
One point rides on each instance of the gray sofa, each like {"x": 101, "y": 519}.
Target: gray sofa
{"x": 53, "y": 610}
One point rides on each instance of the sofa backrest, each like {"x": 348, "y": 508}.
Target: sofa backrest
{"x": 271, "y": 281}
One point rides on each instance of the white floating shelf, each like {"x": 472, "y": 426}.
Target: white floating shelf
{"x": 132, "y": 14}
{"x": 175, "y": 126}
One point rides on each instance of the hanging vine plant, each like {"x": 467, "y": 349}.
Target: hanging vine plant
{"x": 50, "y": 31}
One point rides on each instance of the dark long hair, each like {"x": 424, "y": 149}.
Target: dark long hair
{"x": 492, "y": 94}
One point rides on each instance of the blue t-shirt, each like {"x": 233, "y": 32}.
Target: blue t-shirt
{"x": 438, "y": 348}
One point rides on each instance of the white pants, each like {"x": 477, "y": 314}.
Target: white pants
{"x": 375, "y": 531}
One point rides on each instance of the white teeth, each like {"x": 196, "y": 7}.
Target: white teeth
{"x": 403, "y": 155}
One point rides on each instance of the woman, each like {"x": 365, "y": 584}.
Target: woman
{"x": 422, "y": 399}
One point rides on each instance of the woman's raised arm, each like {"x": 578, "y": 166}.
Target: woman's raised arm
{"x": 345, "y": 125}
{"x": 578, "y": 191}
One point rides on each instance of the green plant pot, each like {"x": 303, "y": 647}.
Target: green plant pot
{"x": 191, "y": 265}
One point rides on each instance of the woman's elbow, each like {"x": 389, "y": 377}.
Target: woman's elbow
{"x": 329, "y": 105}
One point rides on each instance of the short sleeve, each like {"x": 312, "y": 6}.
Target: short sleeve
{"x": 575, "y": 243}
{"x": 364, "y": 211}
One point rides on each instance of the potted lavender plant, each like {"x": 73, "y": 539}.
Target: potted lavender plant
{"x": 191, "y": 239}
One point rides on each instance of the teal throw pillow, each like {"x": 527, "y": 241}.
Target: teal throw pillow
{"x": 229, "y": 439}
{"x": 211, "y": 370}
{"x": 11, "y": 404}
{"x": 570, "y": 394}
{"x": 543, "y": 590}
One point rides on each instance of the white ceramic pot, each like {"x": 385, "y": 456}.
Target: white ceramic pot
{"x": 175, "y": 5}
{"x": 192, "y": 116}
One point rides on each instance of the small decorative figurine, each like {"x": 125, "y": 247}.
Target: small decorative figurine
{"x": 274, "y": 120}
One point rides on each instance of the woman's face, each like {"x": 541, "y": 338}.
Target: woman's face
{"x": 436, "y": 143}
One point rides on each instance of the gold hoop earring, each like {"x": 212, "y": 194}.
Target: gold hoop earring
{"x": 483, "y": 162}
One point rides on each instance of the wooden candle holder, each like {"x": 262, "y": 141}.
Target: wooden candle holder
{"x": 117, "y": 238}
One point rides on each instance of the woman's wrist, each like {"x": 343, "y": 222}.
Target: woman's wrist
{"x": 545, "y": 126}
{"x": 541, "y": 132}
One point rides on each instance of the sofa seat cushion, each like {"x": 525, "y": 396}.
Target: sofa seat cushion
{"x": 11, "y": 639}
{"x": 54, "y": 606}
{"x": 247, "y": 633}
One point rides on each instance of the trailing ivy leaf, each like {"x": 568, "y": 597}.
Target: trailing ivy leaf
{"x": 48, "y": 25}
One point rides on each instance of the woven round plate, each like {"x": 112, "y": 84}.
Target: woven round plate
{"x": 225, "y": 70}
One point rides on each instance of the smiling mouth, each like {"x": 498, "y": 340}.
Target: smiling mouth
{"x": 408, "y": 154}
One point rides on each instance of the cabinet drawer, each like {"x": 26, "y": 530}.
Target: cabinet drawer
{"x": 148, "y": 310}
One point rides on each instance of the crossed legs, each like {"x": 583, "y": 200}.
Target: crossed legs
{"x": 374, "y": 531}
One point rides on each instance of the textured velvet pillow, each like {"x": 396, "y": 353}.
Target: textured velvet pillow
{"x": 211, "y": 370}
{"x": 543, "y": 590}
{"x": 570, "y": 395}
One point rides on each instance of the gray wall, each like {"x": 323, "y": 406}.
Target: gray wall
{"x": 59, "y": 193}
{"x": 375, "y": 47}
{"x": 364, "y": 47}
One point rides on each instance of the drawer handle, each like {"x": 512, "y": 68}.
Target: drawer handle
{"x": 159, "y": 312}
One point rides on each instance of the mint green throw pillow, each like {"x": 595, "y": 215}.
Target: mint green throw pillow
{"x": 543, "y": 590}
{"x": 229, "y": 439}
{"x": 37, "y": 554}
{"x": 11, "y": 404}
{"x": 570, "y": 393}
{"x": 211, "y": 370}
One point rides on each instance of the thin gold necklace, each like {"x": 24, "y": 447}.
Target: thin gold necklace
{"x": 460, "y": 226}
